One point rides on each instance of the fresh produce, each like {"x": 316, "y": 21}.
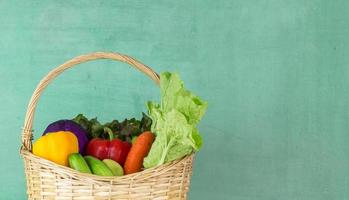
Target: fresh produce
{"x": 175, "y": 122}
{"x": 114, "y": 167}
{"x": 139, "y": 150}
{"x": 56, "y": 146}
{"x": 93, "y": 128}
{"x": 77, "y": 162}
{"x": 71, "y": 126}
{"x": 134, "y": 139}
{"x": 98, "y": 167}
{"x": 124, "y": 130}
{"x": 115, "y": 149}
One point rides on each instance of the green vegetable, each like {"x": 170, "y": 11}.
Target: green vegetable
{"x": 114, "y": 167}
{"x": 98, "y": 167}
{"x": 134, "y": 138}
{"x": 87, "y": 124}
{"x": 175, "y": 122}
{"x": 77, "y": 162}
{"x": 124, "y": 130}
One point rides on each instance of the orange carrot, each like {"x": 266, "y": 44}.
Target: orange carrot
{"x": 139, "y": 150}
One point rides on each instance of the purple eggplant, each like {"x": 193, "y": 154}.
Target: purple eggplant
{"x": 69, "y": 125}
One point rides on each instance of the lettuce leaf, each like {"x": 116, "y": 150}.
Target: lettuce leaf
{"x": 174, "y": 121}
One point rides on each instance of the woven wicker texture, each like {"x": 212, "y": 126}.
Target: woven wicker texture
{"x": 47, "y": 180}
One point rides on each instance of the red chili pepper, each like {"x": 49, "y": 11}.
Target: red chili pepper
{"x": 115, "y": 149}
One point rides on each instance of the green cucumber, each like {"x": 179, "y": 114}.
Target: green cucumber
{"x": 98, "y": 167}
{"x": 77, "y": 162}
{"x": 114, "y": 167}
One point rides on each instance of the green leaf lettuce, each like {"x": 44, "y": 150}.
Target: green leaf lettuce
{"x": 175, "y": 121}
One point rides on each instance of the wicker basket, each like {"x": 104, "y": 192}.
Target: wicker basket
{"x": 47, "y": 180}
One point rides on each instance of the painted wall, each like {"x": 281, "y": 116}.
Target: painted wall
{"x": 275, "y": 74}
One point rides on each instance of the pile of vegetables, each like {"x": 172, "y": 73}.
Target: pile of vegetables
{"x": 167, "y": 133}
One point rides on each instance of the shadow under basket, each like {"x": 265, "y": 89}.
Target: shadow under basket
{"x": 47, "y": 180}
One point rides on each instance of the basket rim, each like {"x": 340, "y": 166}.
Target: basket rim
{"x": 142, "y": 175}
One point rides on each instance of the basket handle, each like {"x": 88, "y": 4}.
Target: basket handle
{"x": 27, "y": 132}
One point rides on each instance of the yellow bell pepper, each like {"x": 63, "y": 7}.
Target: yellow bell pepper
{"x": 56, "y": 146}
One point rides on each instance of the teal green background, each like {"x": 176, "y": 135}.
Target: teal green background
{"x": 275, "y": 74}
